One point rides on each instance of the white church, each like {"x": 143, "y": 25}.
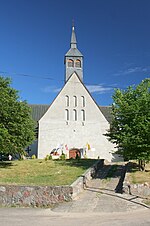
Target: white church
{"x": 73, "y": 124}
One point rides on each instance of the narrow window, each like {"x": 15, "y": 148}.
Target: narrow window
{"x": 67, "y": 114}
{"x": 70, "y": 63}
{"x": 83, "y": 101}
{"x": 74, "y": 115}
{"x": 67, "y": 101}
{"x": 83, "y": 115}
{"x": 78, "y": 63}
{"x": 75, "y": 101}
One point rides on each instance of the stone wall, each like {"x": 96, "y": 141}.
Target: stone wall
{"x": 142, "y": 190}
{"x": 34, "y": 196}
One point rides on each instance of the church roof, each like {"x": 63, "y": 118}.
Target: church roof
{"x": 106, "y": 111}
{"x": 38, "y": 110}
{"x": 74, "y": 52}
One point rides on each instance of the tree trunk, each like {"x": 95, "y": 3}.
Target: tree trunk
{"x": 141, "y": 165}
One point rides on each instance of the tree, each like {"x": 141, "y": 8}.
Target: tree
{"x": 16, "y": 124}
{"x": 130, "y": 129}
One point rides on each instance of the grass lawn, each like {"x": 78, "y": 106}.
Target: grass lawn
{"x": 139, "y": 177}
{"x": 41, "y": 172}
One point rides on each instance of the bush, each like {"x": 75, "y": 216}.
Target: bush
{"x": 48, "y": 157}
{"x": 33, "y": 157}
{"x": 63, "y": 156}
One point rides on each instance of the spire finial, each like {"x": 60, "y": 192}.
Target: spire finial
{"x": 73, "y": 37}
{"x": 72, "y": 24}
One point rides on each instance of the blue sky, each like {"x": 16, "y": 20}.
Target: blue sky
{"x": 113, "y": 36}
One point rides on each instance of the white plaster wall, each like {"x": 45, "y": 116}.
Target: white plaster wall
{"x": 54, "y": 130}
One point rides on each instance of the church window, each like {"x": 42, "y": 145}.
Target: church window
{"x": 67, "y": 114}
{"x": 78, "y": 63}
{"x": 74, "y": 115}
{"x": 75, "y": 101}
{"x": 83, "y": 115}
{"x": 70, "y": 63}
{"x": 67, "y": 101}
{"x": 83, "y": 101}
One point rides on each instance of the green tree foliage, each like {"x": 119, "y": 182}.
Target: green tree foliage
{"x": 130, "y": 129}
{"x": 16, "y": 124}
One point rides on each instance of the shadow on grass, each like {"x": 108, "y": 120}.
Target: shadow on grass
{"x": 110, "y": 171}
{"x": 133, "y": 167}
{"x": 5, "y": 164}
{"x": 81, "y": 163}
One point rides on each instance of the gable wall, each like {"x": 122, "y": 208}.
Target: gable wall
{"x": 54, "y": 129}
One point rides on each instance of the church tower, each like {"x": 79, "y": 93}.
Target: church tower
{"x": 73, "y": 59}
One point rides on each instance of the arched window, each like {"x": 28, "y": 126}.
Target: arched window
{"x": 78, "y": 63}
{"x": 74, "y": 115}
{"x": 66, "y": 114}
{"x": 83, "y": 115}
{"x": 67, "y": 101}
{"x": 83, "y": 101}
{"x": 70, "y": 63}
{"x": 75, "y": 101}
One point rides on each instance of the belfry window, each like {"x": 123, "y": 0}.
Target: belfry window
{"x": 75, "y": 101}
{"x": 70, "y": 63}
{"x": 67, "y": 101}
{"x": 83, "y": 115}
{"x": 83, "y": 101}
{"x": 78, "y": 63}
{"x": 67, "y": 114}
{"x": 74, "y": 115}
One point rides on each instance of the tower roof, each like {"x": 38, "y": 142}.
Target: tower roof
{"x": 73, "y": 51}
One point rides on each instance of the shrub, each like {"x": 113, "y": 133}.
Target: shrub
{"x": 48, "y": 157}
{"x": 63, "y": 156}
{"x": 33, "y": 157}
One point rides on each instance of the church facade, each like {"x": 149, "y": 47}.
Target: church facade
{"x": 73, "y": 123}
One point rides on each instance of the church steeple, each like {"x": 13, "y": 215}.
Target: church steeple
{"x": 73, "y": 58}
{"x": 73, "y": 43}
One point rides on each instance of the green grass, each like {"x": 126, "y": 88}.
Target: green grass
{"x": 138, "y": 177}
{"x": 41, "y": 172}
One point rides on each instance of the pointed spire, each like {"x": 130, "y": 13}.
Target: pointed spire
{"x": 73, "y": 43}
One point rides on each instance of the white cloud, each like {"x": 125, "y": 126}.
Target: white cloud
{"x": 92, "y": 89}
{"x": 51, "y": 89}
{"x": 98, "y": 89}
{"x": 133, "y": 70}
